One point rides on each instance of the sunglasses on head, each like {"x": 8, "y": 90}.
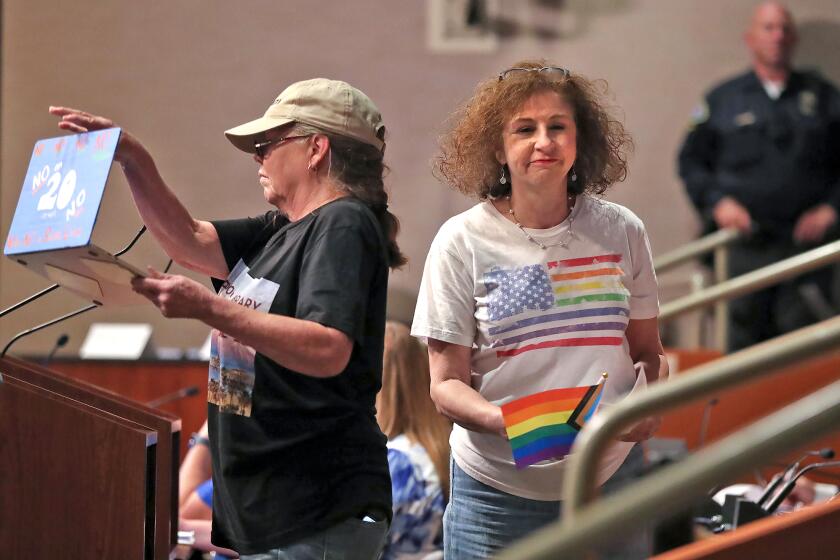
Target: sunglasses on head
{"x": 551, "y": 71}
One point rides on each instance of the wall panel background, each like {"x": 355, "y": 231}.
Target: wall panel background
{"x": 177, "y": 74}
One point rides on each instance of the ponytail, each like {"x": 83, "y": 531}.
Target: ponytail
{"x": 359, "y": 169}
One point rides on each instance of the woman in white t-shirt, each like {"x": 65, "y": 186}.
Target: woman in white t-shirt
{"x": 540, "y": 286}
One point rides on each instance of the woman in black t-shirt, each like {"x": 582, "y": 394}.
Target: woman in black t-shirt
{"x": 299, "y": 463}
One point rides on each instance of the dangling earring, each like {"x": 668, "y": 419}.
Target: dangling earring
{"x": 503, "y": 179}
{"x": 573, "y": 176}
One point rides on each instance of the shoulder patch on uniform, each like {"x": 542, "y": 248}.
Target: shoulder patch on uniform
{"x": 699, "y": 114}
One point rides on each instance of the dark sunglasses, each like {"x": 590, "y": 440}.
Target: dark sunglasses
{"x": 551, "y": 71}
{"x": 261, "y": 148}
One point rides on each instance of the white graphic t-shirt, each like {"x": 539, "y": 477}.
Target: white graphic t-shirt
{"x": 537, "y": 319}
{"x": 231, "y": 383}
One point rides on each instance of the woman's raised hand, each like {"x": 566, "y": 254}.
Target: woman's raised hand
{"x": 78, "y": 121}
{"x": 75, "y": 120}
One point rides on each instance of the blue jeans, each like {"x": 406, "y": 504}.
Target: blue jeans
{"x": 352, "y": 539}
{"x": 481, "y": 520}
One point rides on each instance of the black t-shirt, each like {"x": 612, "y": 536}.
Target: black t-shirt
{"x": 295, "y": 454}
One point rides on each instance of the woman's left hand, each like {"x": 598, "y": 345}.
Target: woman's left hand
{"x": 175, "y": 296}
{"x": 643, "y": 430}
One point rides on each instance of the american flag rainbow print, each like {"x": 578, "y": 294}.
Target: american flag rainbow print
{"x": 562, "y": 303}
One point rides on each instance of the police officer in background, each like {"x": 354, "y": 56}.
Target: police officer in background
{"x": 763, "y": 156}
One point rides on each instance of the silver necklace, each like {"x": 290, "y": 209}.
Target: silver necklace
{"x": 563, "y": 242}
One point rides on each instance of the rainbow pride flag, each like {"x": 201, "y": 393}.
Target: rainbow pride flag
{"x": 544, "y": 425}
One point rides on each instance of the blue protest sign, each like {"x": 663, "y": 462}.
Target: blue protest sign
{"x": 62, "y": 192}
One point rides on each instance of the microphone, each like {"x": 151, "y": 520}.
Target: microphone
{"x": 788, "y": 487}
{"x": 27, "y": 332}
{"x": 29, "y": 299}
{"x": 182, "y": 393}
{"x": 49, "y": 289}
{"x": 704, "y": 422}
{"x": 779, "y": 478}
{"x": 704, "y": 428}
{"x": 59, "y": 343}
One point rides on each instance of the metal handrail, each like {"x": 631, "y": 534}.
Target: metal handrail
{"x": 755, "y": 280}
{"x": 738, "y": 368}
{"x": 718, "y": 242}
{"x": 694, "y": 249}
{"x": 678, "y": 486}
{"x": 741, "y": 367}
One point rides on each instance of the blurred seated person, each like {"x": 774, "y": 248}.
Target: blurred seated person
{"x": 195, "y": 496}
{"x": 418, "y": 448}
{"x": 195, "y": 490}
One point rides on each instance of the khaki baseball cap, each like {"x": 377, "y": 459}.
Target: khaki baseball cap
{"x": 330, "y": 105}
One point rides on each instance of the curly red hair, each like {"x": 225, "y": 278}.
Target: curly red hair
{"x": 468, "y": 151}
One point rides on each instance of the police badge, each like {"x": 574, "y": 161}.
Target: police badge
{"x": 808, "y": 103}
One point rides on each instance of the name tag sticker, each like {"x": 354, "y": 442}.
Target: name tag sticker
{"x": 745, "y": 119}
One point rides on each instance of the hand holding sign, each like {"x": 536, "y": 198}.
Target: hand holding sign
{"x": 78, "y": 121}
{"x": 176, "y": 296}
{"x": 75, "y": 120}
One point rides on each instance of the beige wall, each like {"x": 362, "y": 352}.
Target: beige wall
{"x": 178, "y": 73}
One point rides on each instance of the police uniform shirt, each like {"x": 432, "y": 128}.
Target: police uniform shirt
{"x": 777, "y": 157}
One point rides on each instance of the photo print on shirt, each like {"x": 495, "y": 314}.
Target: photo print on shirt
{"x": 232, "y": 375}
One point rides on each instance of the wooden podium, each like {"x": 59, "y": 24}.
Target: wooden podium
{"x": 84, "y": 473}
